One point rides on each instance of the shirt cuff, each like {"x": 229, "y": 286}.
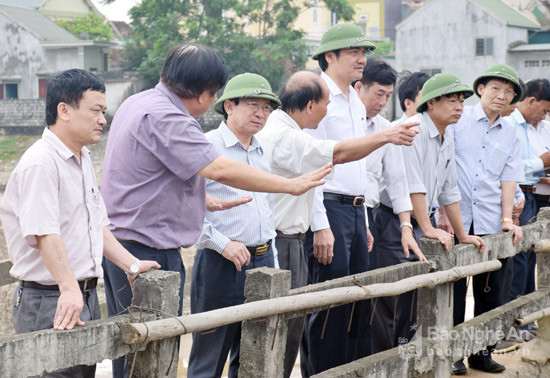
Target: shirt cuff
{"x": 217, "y": 242}
{"x": 417, "y": 188}
{"x": 319, "y": 222}
{"x": 401, "y": 205}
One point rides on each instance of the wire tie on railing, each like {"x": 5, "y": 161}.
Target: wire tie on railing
{"x": 394, "y": 311}
{"x": 373, "y": 308}
{"x": 487, "y": 288}
{"x": 351, "y": 316}
{"x": 325, "y": 323}
{"x": 303, "y": 326}
{"x": 275, "y": 333}
{"x": 357, "y": 283}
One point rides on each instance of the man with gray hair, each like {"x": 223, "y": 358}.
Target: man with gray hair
{"x": 291, "y": 152}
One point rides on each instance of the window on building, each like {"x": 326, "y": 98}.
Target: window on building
{"x": 10, "y": 91}
{"x": 333, "y": 18}
{"x": 484, "y": 46}
{"x": 42, "y": 88}
{"x": 431, "y": 71}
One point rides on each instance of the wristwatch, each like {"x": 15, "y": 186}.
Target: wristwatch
{"x": 134, "y": 268}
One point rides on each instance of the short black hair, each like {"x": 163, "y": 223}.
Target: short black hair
{"x": 295, "y": 99}
{"x": 189, "y": 70}
{"x": 68, "y": 87}
{"x": 523, "y": 88}
{"x": 450, "y": 95}
{"x": 323, "y": 61}
{"x": 409, "y": 86}
{"x": 539, "y": 89}
{"x": 378, "y": 71}
{"x": 235, "y": 100}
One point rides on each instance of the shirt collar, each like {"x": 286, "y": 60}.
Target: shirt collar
{"x": 230, "y": 140}
{"x": 480, "y": 115}
{"x": 518, "y": 117}
{"x": 332, "y": 86}
{"x": 176, "y": 100}
{"x": 285, "y": 118}
{"x": 432, "y": 128}
{"x": 61, "y": 148}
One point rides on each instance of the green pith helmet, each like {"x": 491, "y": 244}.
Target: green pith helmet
{"x": 505, "y": 72}
{"x": 342, "y": 36}
{"x": 247, "y": 85}
{"x": 440, "y": 85}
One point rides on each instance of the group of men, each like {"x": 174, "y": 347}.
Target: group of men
{"x": 251, "y": 194}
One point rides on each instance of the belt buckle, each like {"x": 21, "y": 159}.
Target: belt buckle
{"x": 358, "y": 201}
{"x": 262, "y": 250}
{"x": 85, "y": 287}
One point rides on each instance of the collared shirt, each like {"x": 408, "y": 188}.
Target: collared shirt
{"x": 387, "y": 181}
{"x": 540, "y": 143}
{"x": 51, "y": 193}
{"x": 251, "y": 223}
{"x": 344, "y": 120}
{"x": 292, "y": 153}
{"x": 430, "y": 164}
{"x": 401, "y": 120}
{"x": 485, "y": 156}
{"x": 150, "y": 183}
{"x": 532, "y": 164}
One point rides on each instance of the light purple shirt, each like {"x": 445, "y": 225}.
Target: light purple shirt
{"x": 150, "y": 183}
{"x": 51, "y": 193}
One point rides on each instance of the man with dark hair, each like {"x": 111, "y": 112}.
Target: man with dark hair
{"x": 388, "y": 196}
{"x": 54, "y": 217}
{"x": 530, "y": 111}
{"x": 410, "y": 93}
{"x": 339, "y": 222}
{"x": 291, "y": 152}
{"x": 430, "y": 162}
{"x": 155, "y": 163}
{"x": 488, "y": 168}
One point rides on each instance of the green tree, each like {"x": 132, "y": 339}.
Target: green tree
{"x": 384, "y": 47}
{"x": 91, "y": 24}
{"x": 223, "y": 24}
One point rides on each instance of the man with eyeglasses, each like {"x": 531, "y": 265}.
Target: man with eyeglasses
{"x": 488, "y": 167}
{"x": 530, "y": 111}
{"x": 238, "y": 239}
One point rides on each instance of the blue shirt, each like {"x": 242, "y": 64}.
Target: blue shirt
{"x": 532, "y": 165}
{"x": 251, "y": 223}
{"x": 485, "y": 156}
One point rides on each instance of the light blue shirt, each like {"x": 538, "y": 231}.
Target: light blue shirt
{"x": 485, "y": 156}
{"x": 532, "y": 165}
{"x": 401, "y": 120}
{"x": 430, "y": 164}
{"x": 251, "y": 223}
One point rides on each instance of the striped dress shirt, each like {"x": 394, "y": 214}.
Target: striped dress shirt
{"x": 251, "y": 223}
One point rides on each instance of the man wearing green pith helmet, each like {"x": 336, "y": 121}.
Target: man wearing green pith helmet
{"x": 238, "y": 239}
{"x": 337, "y": 242}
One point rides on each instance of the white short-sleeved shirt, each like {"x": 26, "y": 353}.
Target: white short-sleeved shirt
{"x": 291, "y": 153}
{"x": 387, "y": 181}
{"x": 50, "y": 192}
{"x": 430, "y": 164}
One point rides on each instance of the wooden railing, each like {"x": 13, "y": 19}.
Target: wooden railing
{"x": 270, "y": 302}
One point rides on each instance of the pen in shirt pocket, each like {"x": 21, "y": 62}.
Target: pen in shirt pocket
{"x": 448, "y": 161}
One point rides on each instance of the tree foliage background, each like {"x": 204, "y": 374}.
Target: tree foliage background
{"x": 91, "y": 24}
{"x": 158, "y": 25}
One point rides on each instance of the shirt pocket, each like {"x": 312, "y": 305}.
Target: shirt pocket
{"x": 496, "y": 161}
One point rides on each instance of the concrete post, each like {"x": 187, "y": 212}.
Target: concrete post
{"x": 158, "y": 289}
{"x": 263, "y": 341}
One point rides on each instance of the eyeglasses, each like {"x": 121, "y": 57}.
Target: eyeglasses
{"x": 507, "y": 92}
{"x": 266, "y": 109}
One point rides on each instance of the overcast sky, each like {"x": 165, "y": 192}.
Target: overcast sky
{"x": 117, "y": 11}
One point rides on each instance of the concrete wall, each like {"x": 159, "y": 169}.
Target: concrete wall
{"x": 531, "y": 64}
{"x": 442, "y": 34}
{"x": 20, "y": 57}
{"x": 22, "y": 116}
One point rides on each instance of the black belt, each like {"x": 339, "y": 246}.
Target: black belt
{"x": 528, "y": 188}
{"x": 85, "y": 285}
{"x": 385, "y": 208}
{"x": 344, "y": 199}
{"x": 541, "y": 197}
{"x": 259, "y": 250}
{"x": 300, "y": 236}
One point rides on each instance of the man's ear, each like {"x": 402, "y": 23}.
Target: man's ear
{"x": 63, "y": 111}
{"x": 309, "y": 107}
{"x": 408, "y": 103}
{"x": 204, "y": 97}
{"x": 228, "y": 105}
{"x": 358, "y": 86}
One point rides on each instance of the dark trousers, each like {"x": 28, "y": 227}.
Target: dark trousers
{"x": 117, "y": 288}
{"x": 291, "y": 256}
{"x": 394, "y": 317}
{"x": 330, "y": 345}
{"x": 216, "y": 283}
{"x": 34, "y": 310}
{"x": 523, "y": 264}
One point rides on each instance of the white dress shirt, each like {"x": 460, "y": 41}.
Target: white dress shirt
{"x": 292, "y": 153}
{"x": 345, "y": 119}
{"x": 387, "y": 181}
{"x": 51, "y": 193}
{"x": 430, "y": 164}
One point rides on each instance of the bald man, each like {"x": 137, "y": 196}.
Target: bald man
{"x": 292, "y": 152}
